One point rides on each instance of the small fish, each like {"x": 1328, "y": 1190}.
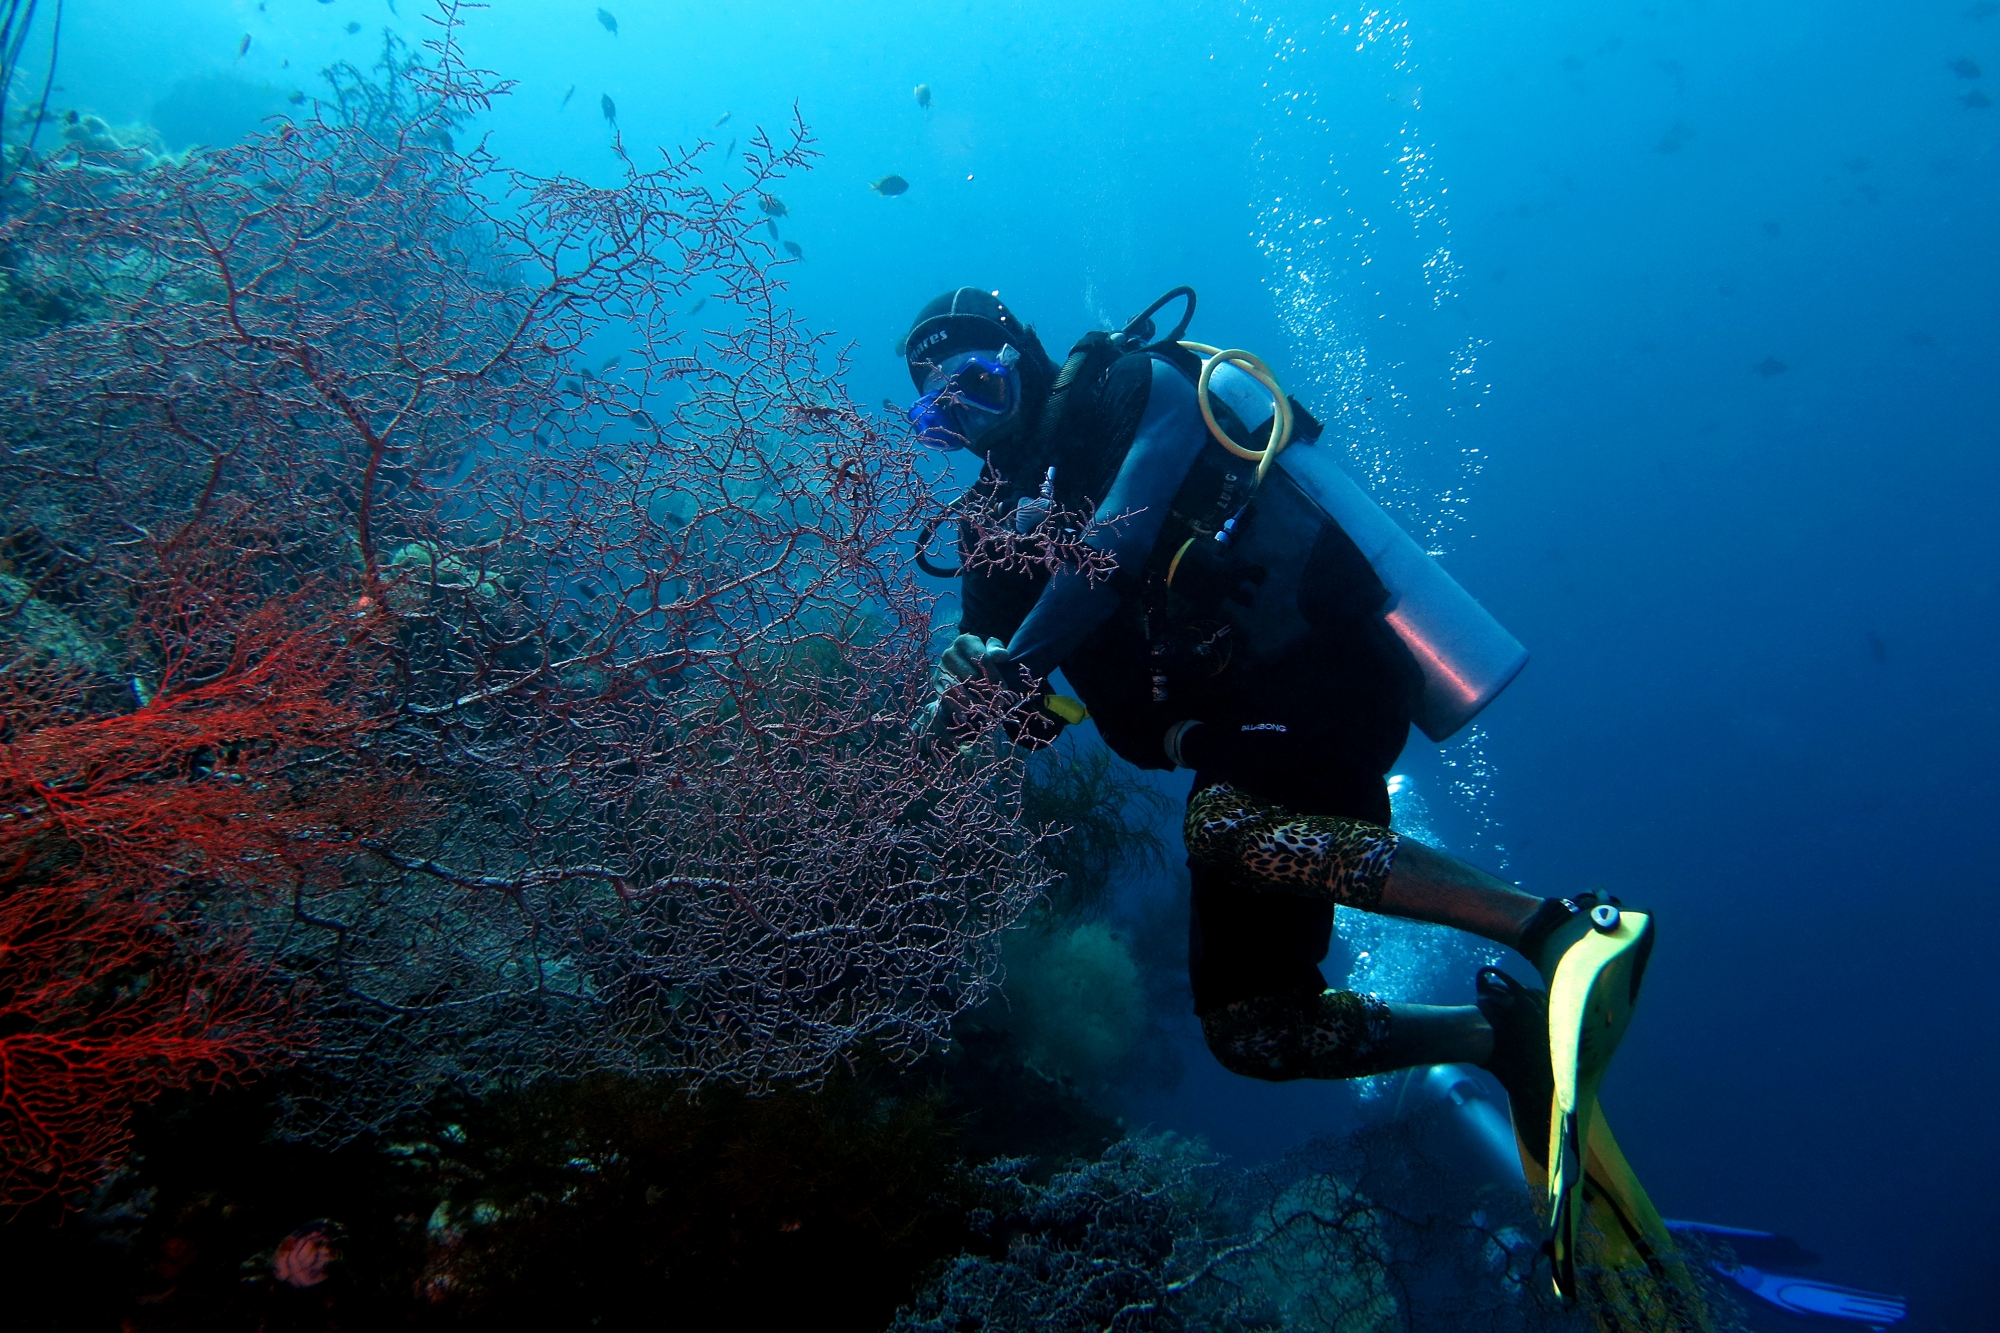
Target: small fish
{"x": 890, "y": 405}
{"x": 610, "y": 363}
{"x": 772, "y": 205}
{"x": 609, "y": 20}
{"x": 890, "y": 186}
{"x": 730, "y": 151}
{"x": 1982, "y": 11}
{"x": 573, "y": 386}
{"x": 902, "y": 344}
{"x": 566, "y": 96}
{"x": 353, "y": 26}
{"x": 1770, "y": 366}
{"x": 771, "y": 225}
{"x": 792, "y": 249}
{"x": 297, "y": 97}
{"x": 695, "y": 309}
{"x": 1975, "y": 98}
{"x": 1964, "y": 68}
{"x": 608, "y": 107}
{"x": 243, "y": 47}
{"x": 924, "y": 96}
{"x": 720, "y": 121}
{"x": 392, "y": 9}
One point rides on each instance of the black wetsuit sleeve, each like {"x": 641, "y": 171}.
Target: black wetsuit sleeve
{"x": 993, "y": 603}
{"x": 1169, "y": 437}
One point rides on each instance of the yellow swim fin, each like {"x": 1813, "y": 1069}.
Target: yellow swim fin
{"x": 1610, "y": 1248}
{"x": 1618, "y": 1198}
{"x": 1591, "y": 1000}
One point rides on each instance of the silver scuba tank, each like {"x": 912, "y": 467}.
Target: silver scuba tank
{"x": 1466, "y": 656}
{"x": 1486, "y": 1124}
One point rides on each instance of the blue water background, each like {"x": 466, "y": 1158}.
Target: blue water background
{"x": 1535, "y": 256}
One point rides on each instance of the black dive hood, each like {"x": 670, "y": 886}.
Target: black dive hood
{"x": 971, "y": 320}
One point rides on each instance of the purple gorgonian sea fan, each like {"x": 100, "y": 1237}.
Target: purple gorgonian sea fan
{"x": 631, "y": 584}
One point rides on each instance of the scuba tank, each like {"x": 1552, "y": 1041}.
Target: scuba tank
{"x": 1466, "y": 656}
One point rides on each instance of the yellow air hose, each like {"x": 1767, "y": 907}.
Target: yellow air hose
{"x": 1252, "y": 364}
{"x": 1281, "y": 419}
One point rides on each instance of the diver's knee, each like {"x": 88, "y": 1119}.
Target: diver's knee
{"x": 1241, "y": 1041}
{"x": 1266, "y": 847}
{"x": 1217, "y": 816}
{"x": 1277, "y": 1038}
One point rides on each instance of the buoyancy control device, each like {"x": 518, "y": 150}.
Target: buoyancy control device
{"x": 1466, "y": 656}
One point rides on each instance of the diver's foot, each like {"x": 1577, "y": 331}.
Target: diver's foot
{"x": 1519, "y": 1016}
{"x": 1596, "y": 986}
{"x": 1556, "y": 925}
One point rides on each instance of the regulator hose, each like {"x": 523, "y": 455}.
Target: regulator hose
{"x": 1253, "y": 365}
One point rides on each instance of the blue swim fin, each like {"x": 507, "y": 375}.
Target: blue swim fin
{"x": 1804, "y": 1295}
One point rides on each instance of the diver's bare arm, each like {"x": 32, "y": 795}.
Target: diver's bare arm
{"x": 1426, "y": 885}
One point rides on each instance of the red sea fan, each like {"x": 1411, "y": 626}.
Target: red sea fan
{"x": 127, "y": 837}
{"x": 105, "y": 1003}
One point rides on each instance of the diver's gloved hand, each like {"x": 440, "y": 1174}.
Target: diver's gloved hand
{"x": 989, "y": 660}
{"x": 945, "y": 716}
{"x": 961, "y": 660}
{"x": 975, "y": 672}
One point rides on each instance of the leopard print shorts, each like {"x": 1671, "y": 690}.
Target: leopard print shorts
{"x": 1265, "y": 846}
{"x": 1335, "y": 1034}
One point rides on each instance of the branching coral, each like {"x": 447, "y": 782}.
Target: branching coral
{"x": 105, "y": 1004}
{"x": 1110, "y": 1244}
{"x": 1359, "y": 1235}
{"x": 117, "y": 825}
{"x": 634, "y": 587}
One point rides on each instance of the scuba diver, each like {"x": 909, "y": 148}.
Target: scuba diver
{"x": 1243, "y": 633}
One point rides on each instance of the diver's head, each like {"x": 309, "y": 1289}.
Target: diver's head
{"x": 981, "y": 374}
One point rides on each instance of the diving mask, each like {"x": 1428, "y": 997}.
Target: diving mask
{"x": 966, "y": 396}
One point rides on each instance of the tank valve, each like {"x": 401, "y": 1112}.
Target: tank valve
{"x": 1605, "y": 917}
